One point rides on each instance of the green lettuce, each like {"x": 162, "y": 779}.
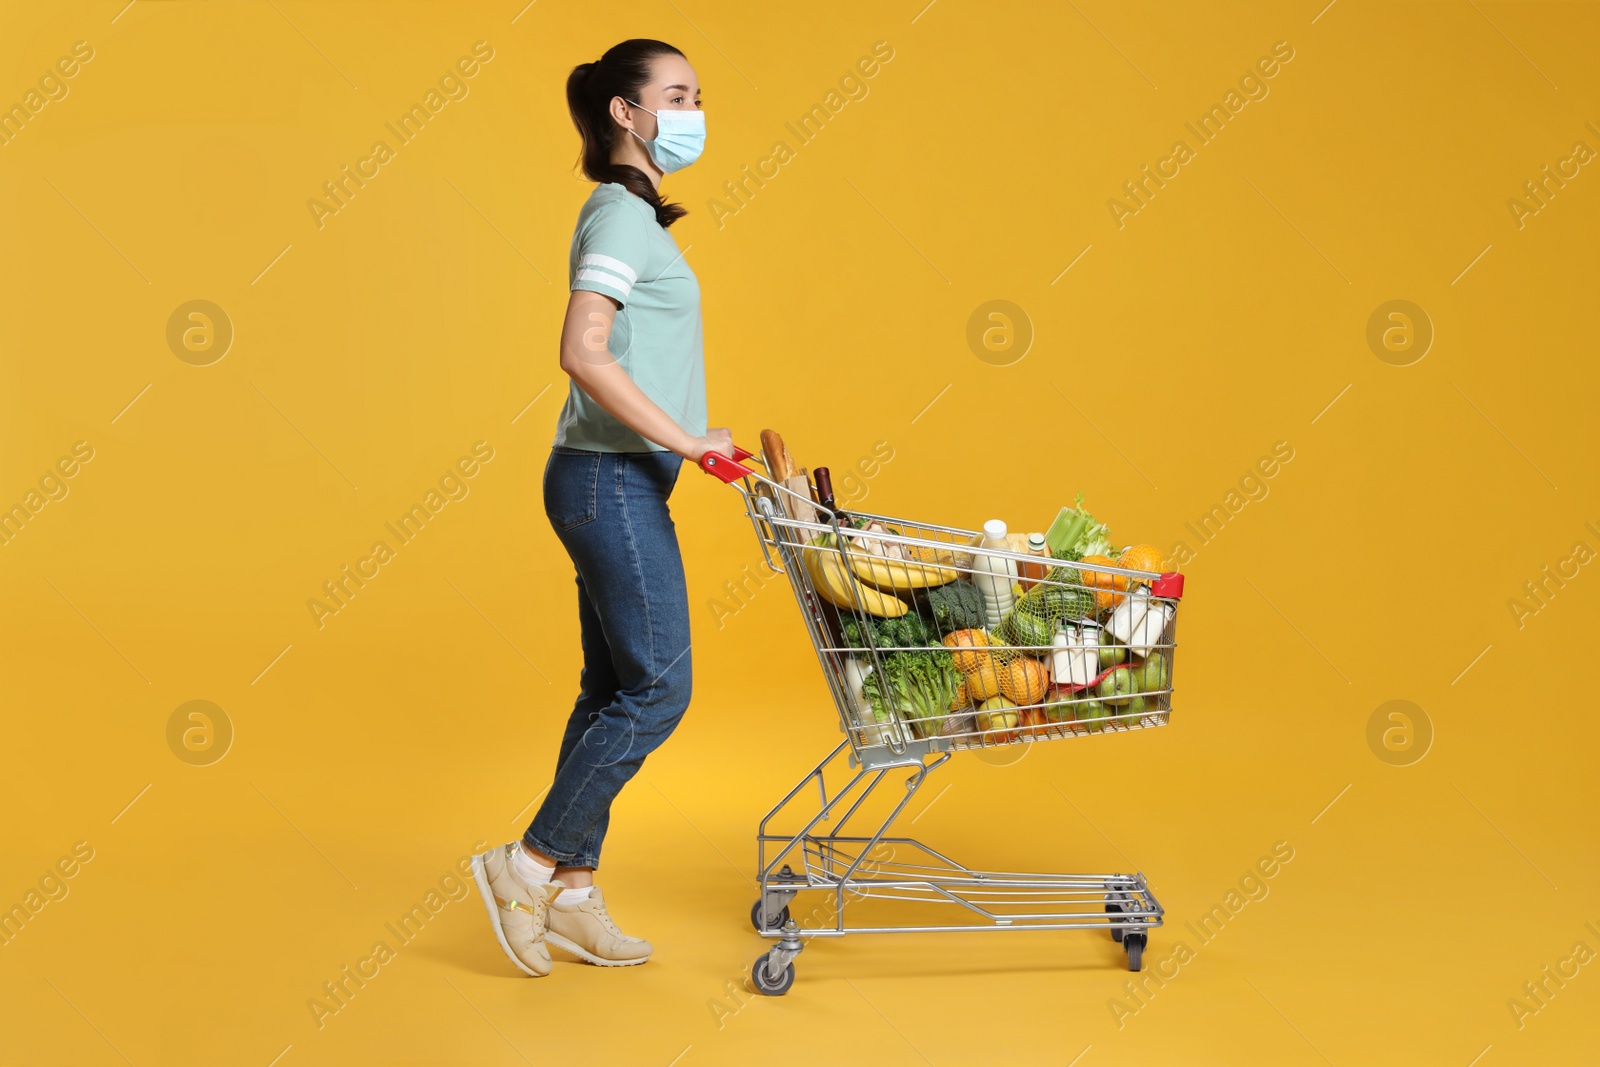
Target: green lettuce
{"x": 921, "y": 686}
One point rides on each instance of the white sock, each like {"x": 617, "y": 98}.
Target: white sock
{"x": 529, "y": 869}
{"x": 574, "y": 896}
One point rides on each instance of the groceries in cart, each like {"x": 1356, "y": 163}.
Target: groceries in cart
{"x": 992, "y": 637}
{"x": 970, "y": 643}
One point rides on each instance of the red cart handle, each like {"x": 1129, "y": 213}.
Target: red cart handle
{"x": 728, "y": 470}
{"x": 1169, "y": 586}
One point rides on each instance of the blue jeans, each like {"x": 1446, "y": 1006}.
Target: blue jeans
{"x": 609, "y": 510}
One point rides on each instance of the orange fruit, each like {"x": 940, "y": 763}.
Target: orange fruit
{"x": 984, "y": 683}
{"x": 969, "y": 640}
{"x": 1106, "y": 586}
{"x": 1143, "y": 558}
{"x": 1024, "y": 681}
{"x": 1034, "y": 721}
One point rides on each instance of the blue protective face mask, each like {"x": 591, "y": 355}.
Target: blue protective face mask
{"x": 680, "y": 138}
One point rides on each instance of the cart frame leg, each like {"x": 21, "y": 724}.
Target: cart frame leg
{"x": 912, "y": 784}
{"x": 774, "y": 881}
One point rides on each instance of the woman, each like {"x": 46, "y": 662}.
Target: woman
{"x": 635, "y": 410}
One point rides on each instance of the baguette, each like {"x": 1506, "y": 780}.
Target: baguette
{"x": 780, "y": 465}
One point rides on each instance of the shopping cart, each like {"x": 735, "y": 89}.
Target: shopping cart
{"x": 1054, "y": 658}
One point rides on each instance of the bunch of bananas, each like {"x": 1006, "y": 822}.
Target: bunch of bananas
{"x": 841, "y": 588}
{"x": 899, "y": 575}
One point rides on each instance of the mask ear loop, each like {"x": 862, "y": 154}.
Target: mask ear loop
{"x": 647, "y": 111}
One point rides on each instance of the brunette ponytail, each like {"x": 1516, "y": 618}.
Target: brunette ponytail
{"x": 623, "y": 71}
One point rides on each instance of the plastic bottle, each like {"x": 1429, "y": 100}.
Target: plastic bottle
{"x": 1139, "y": 621}
{"x": 1075, "y": 660}
{"x": 1127, "y": 615}
{"x": 1029, "y": 574}
{"x": 993, "y": 575}
{"x": 1148, "y": 633}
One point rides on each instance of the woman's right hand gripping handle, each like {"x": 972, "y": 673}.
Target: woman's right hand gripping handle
{"x": 719, "y": 440}
{"x": 723, "y": 459}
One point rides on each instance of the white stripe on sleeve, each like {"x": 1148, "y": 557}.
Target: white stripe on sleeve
{"x": 616, "y": 266}
{"x": 610, "y": 281}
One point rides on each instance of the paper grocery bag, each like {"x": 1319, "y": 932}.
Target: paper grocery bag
{"x": 799, "y": 508}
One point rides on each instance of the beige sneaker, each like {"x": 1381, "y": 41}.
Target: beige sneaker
{"x": 517, "y": 910}
{"x": 585, "y": 929}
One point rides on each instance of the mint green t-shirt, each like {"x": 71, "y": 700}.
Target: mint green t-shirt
{"x": 619, "y": 250}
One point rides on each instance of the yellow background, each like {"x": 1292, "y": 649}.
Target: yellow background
{"x": 370, "y": 754}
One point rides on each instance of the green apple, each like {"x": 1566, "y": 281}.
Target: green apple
{"x": 1062, "y": 710}
{"x": 1091, "y": 713}
{"x": 1111, "y": 655}
{"x": 1118, "y": 686}
{"x": 1153, "y": 674}
{"x": 1130, "y": 713}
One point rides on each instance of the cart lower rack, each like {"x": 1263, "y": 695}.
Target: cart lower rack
{"x": 1081, "y": 650}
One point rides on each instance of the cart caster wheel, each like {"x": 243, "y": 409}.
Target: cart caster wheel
{"x": 1115, "y": 909}
{"x": 764, "y": 985}
{"x": 755, "y": 917}
{"x": 1134, "y": 943}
